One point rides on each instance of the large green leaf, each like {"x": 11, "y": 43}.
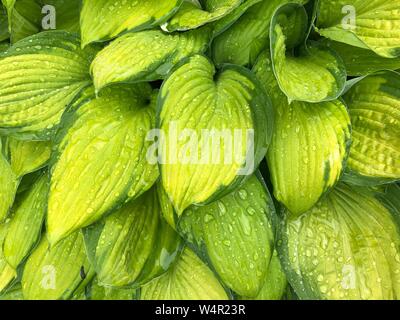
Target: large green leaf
{"x": 309, "y": 72}
{"x": 362, "y": 62}
{"x": 101, "y": 158}
{"x": 188, "y": 279}
{"x": 13, "y": 294}
{"x": 8, "y": 186}
{"x": 236, "y": 234}
{"x": 39, "y": 76}
{"x": 24, "y": 18}
{"x": 367, "y": 24}
{"x": 346, "y": 247}
{"x": 145, "y": 56}
{"x": 53, "y": 273}
{"x": 105, "y": 19}
{"x": 244, "y": 40}
{"x": 26, "y": 222}
{"x": 7, "y": 273}
{"x": 309, "y": 145}
{"x": 28, "y": 156}
{"x": 275, "y": 282}
{"x": 133, "y": 245}
{"x": 99, "y": 292}
{"x": 192, "y": 15}
{"x": 216, "y": 127}
{"x": 374, "y": 106}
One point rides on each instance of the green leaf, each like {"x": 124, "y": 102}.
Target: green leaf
{"x": 100, "y": 160}
{"x": 24, "y": 18}
{"x": 188, "y": 279}
{"x": 311, "y": 72}
{"x": 7, "y": 273}
{"x": 248, "y": 36}
{"x": 362, "y": 62}
{"x": 374, "y": 106}
{"x": 372, "y": 25}
{"x": 3, "y": 24}
{"x": 236, "y": 234}
{"x": 53, "y": 273}
{"x": 309, "y": 146}
{"x": 133, "y": 245}
{"x": 26, "y": 222}
{"x": 216, "y": 128}
{"x": 8, "y": 186}
{"x": 67, "y": 14}
{"x": 103, "y": 20}
{"x": 98, "y": 292}
{"x": 167, "y": 209}
{"x": 346, "y": 247}
{"x": 28, "y": 156}
{"x": 145, "y": 56}
{"x": 39, "y": 76}
{"x": 275, "y": 283}
{"x": 191, "y": 15}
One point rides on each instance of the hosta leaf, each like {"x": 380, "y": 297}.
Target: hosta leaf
{"x": 191, "y": 15}
{"x": 248, "y": 36}
{"x": 166, "y": 206}
{"x": 188, "y": 279}
{"x": 24, "y": 18}
{"x": 132, "y": 245}
{"x": 200, "y": 103}
{"x": 7, "y": 273}
{"x": 8, "y": 186}
{"x": 67, "y": 14}
{"x": 309, "y": 146}
{"x": 346, "y": 247}
{"x": 105, "y": 19}
{"x": 374, "y": 106}
{"x": 53, "y": 273}
{"x": 3, "y": 24}
{"x": 39, "y": 77}
{"x": 373, "y": 24}
{"x": 362, "y": 62}
{"x": 28, "y": 156}
{"x": 275, "y": 283}
{"x": 100, "y": 160}
{"x": 145, "y": 56}
{"x": 26, "y": 222}
{"x": 313, "y": 72}
{"x": 98, "y": 292}
{"x": 236, "y": 234}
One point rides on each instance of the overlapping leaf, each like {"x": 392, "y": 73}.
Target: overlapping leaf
{"x": 8, "y": 185}
{"x": 26, "y": 222}
{"x": 309, "y": 72}
{"x": 216, "y": 128}
{"x": 236, "y": 234}
{"x": 132, "y": 245}
{"x": 101, "y": 158}
{"x": 366, "y": 24}
{"x": 28, "y": 156}
{"x": 53, "y": 273}
{"x": 3, "y": 24}
{"x": 346, "y": 247}
{"x": 98, "y": 292}
{"x": 309, "y": 146}
{"x": 145, "y": 56}
{"x": 192, "y": 15}
{"x": 374, "y": 106}
{"x": 188, "y": 279}
{"x": 7, "y": 273}
{"x": 39, "y": 76}
{"x": 105, "y": 19}
{"x": 248, "y": 36}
